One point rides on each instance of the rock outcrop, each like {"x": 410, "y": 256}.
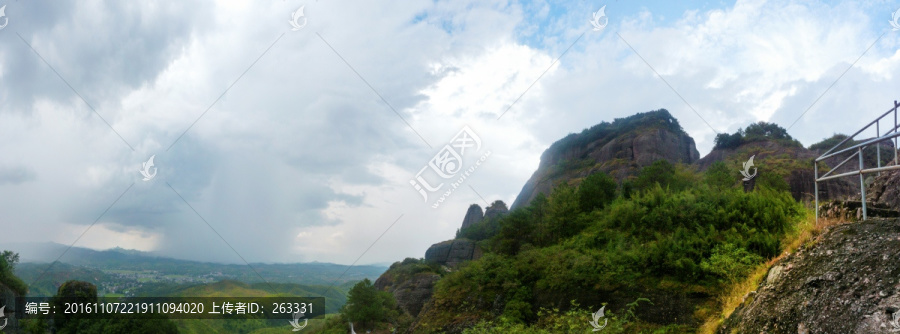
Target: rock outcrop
{"x": 496, "y": 210}
{"x": 473, "y": 215}
{"x": 412, "y": 281}
{"x": 885, "y": 190}
{"x": 451, "y": 253}
{"x": 620, "y": 149}
{"x": 411, "y": 291}
{"x": 848, "y": 281}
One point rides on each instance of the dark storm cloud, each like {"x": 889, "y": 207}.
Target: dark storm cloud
{"x": 103, "y": 49}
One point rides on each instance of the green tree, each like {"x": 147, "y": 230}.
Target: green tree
{"x": 8, "y": 261}
{"x": 766, "y": 130}
{"x": 85, "y": 292}
{"x": 596, "y": 191}
{"x": 562, "y": 212}
{"x": 724, "y": 140}
{"x": 367, "y": 306}
{"x": 516, "y": 230}
{"x": 720, "y": 176}
{"x": 659, "y": 172}
{"x": 11, "y": 258}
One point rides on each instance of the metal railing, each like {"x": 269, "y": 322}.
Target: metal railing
{"x": 857, "y": 150}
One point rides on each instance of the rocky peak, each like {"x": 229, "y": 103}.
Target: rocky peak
{"x": 473, "y": 215}
{"x": 497, "y": 209}
{"x": 620, "y": 148}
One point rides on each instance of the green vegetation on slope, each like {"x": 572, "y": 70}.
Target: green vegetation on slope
{"x": 8, "y": 261}
{"x": 675, "y": 232}
{"x": 86, "y": 292}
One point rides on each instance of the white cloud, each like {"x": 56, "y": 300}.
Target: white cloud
{"x": 302, "y": 161}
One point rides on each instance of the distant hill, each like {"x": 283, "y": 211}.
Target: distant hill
{"x": 89, "y": 265}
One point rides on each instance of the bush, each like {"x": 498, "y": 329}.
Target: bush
{"x": 720, "y": 176}
{"x": 8, "y": 261}
{"x": 596, "y": 191}
{"x": 730, "y": 262}
{"x": 87, "y": 293}
{"x": 367, "y": 306}
{"x": 724, "y": 140}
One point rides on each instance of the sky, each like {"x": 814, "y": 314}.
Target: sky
{"x": 276, "y": 143}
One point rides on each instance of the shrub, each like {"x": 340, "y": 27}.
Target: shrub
{"x": 730, "y": 262}
{"x": 720, "y": 176}
{"x": 367, "y": 305}
{"x": 596, "y": 191}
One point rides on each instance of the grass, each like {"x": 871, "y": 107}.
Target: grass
{"x": 805, "y": 233}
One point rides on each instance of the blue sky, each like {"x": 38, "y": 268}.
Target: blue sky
{"x": 300, "y": 145}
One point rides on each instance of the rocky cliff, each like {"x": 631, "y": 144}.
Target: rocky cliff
{"x": 847, "y": 281}
{"x": 619, "y": 148}
{"x": 452, "y": 253}
{"x": 411, "y": 282}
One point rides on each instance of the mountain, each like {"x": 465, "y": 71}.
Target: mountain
{"x": 626, "y": 217}
{"x": 117, "y": 269}
{"x": 620, "y": 149}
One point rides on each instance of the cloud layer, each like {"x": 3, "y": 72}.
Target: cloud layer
{"x": 288, "y": 146}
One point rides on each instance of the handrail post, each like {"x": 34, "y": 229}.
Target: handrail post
{"x": 862, "y": 184}
{"x": 816, "y": 188}
{"x": 895, "y": 138}
{"x": 878, "y": 144}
